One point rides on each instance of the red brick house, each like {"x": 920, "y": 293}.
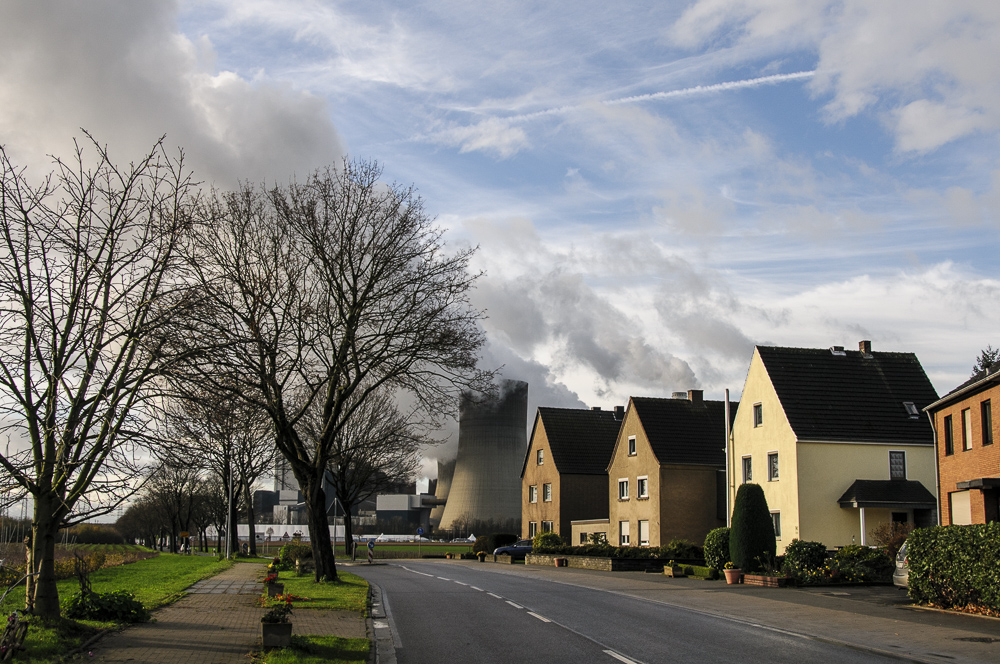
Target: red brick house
{"x": 968, "y": 456}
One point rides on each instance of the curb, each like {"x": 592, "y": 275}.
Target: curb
{"x": 384, "y": 650}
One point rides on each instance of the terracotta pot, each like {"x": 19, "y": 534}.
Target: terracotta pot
{"x": 733, "y": 575}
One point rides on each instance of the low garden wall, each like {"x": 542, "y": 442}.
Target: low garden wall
{"x": 597, "y": 563}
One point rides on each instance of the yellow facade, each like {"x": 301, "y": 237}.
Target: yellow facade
{"x": 537, "y": 475}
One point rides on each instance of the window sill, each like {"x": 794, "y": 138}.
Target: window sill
{"x": 643, "y": 498}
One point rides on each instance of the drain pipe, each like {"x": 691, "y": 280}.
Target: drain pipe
{"x": 729, "y": 512}
{"x": 937, "y": 466}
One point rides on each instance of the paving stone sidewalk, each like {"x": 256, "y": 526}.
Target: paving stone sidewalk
{"x": 217, "y": 623}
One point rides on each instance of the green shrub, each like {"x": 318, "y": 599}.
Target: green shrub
{"x": 290, "y": 552}
{"x": 956, "y": 566}
{"x": 491, "y": 542}
{"x": 546, "y": 542}
{"x": 680, "y": 548}
{"x": 864, "y": 564}
{"x": 119, "y": 606}
{"x": 751, "y": 537}
{"x": 717, "y": 548}
{"x": 804, "y": 555}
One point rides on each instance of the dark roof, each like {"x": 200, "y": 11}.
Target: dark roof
{"x": 581, "y": 440}
{"x": 888, "y": 494}
{"x": 850, "y": 396}
{"x": 684, "y": 432}
{"x": 981, "y": 380}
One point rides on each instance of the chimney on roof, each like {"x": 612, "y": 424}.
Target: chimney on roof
{"x": 865, "y": 347}
{"x": 619, "y": 412}
{"x": 595, "y": 407}
{"x": 696, "y": 396}
{"x": 678, "y": 395}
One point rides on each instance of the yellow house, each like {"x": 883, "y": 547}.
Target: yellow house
{"x": 837, "y": 440}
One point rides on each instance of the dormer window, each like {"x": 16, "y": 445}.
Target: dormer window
{"x": 911, "y": 409}
{"x": 838, "y": 350}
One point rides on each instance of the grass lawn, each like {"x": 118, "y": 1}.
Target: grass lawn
{"x": 156, "y": 582}
{"x": 318, "y": 650}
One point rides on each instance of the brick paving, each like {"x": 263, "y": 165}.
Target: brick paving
{"x": 218, "y": 622}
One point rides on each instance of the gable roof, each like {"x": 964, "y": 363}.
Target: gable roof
{"x": 581, "y": 440}
{"x": 980, "y": 381}
{"x": 681, "y": 431}
{"x": 850, "y": 396}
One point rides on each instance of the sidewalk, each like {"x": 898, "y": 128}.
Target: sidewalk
{"x": 873, "y": 618}
{"x": 217, "y": 623}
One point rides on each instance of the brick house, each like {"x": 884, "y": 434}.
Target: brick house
{"x": 968, "y": 460}
{"x": 836, "y": 440}
{"x": 564, "y": 476}
{"x": 666, "y": 474}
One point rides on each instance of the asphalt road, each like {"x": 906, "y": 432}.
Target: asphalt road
{"x": 452, "y": 613}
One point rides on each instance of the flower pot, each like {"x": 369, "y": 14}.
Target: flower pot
{"x": 733, "y": 575}
{"x": 275, "y": 589}
{"x": 276, "y": 635}
{"x": 561, "y": 562}
{"x": 482, "y": 556}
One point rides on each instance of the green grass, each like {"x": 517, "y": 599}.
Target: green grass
{"x": 350, "y": 593}
{"x": 155, "y": 582}
{"x": 315, "y": 649}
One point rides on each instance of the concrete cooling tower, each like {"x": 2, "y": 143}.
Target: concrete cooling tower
{"x": 492, "y": 438}
{"x": 446, "y": 470}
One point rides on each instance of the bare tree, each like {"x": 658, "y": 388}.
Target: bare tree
{"x": 376, "y": 449}
{"x": 85, "y": 280}
{"x": 319, "y": 294}
{"x": 173, "y": 491}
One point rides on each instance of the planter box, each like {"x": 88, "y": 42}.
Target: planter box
{"x": 676, "y": 571}
{"x": 275, "y": 635}
{"x": 503, "y": 558}
{"x": 275, "y": 589}
{"x": 765, "y": 581}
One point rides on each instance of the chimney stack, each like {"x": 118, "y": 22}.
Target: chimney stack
{"x": 695, "y": 396}
{"x": 619, "y": 412}
{"x": 595, "y": 407}
{"x": 865, "y": 347}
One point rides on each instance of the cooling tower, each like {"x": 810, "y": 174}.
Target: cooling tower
{"x": 492, "y": 438}
{"x": 446, "y": 470}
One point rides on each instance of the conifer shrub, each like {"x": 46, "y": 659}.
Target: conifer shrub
{"x": 717, "y": 548}
{"x": 751, "y": 538}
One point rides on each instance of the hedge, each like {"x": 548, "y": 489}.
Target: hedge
{"x": 956, "y": 566}
{"x": 676, "y": 549}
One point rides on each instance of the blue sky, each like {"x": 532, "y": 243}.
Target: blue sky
{"x": 654, "y": 189}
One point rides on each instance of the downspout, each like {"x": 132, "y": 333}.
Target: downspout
{"x": 729, "y": 512}
{"x": 937, "y": 468}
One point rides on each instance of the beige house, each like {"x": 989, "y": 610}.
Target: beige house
{"x": 837, "y": 440}
{"x": 666, "y": 474}
{"x": 564, "y": 476}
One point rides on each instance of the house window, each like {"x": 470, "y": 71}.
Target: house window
{"x": 622, "y": 489}
{"x": 772, "y": 466}
{"x": 897, "y": 465}
{"x": 532, "y": 528}
{"x": 631, "y": 445}
{"x": 547, "y": 493}
{"x": 584, "y": 538}
{"x": 546, "y": 526}
{"x": 986, "y": 414}
{"x": 776, "y": 520}
{"x": 911, "y": 409}
{"x": 644, "y": 533}
{"x": 642, "y": 487}
{"x": 623, "y": 538}
{"x": 758, "y": 415}
{"x": 949, "y": 440}
{"x": 539, "y": 457}
{"x": 747, "y": 470}
{"x": 533, "y": 493}
{"x": 967, "y": 429}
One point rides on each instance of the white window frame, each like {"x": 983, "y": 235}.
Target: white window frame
{"x": 966, "y": 429}
{"x": 644, "y": 533}
{"x": 624, "y": 537}
{"x": 903, "y": 452}
{"x": 776, "y": 520}
{"x": 773, "y": 477}
{"x": 623, "y": 488}
{"x": 532, "y": 529}
{"x": 747, "y": 467}
{"x": 548, "y": 527}
{"x": 539, "y": 457}
{"x": 533, "y": 493}
{"x": 631, "y": 446}
{"x": 758, "y": 415}
{"x": 642, "y": 486}
{"x": 547, "y": 492}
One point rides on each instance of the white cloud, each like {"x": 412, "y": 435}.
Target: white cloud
{"x": 492, "y": 135}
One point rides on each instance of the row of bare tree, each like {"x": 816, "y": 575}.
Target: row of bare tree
{"x": 140, "y": 314}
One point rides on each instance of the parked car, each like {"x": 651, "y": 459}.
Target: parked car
{"x": 517, "y": 551}
{"x": 901, "y": 575}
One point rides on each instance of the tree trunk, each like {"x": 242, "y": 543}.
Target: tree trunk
{"x": 348, "y": 527}
{"x": 44, "y": 533}
{"x": 233, "y": 533}
{"x": 250, "y": 520}
{"x": 29, "y": 583}
{"x": 319, "y": 531}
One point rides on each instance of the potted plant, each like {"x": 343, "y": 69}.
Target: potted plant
{"x": 732, "y": 573}
{"x": 272, "y": 585}
{"x": 671, "y": 568}
{"x": 482, "y": 556}
{"x": 275, "y": 626}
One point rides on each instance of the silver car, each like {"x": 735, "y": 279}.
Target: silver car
{"x": 901, "y": 575}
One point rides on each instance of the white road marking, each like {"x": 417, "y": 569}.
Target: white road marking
{"x": 461, "y": 584}
{"x": 444, "y": 578}
{"x": 492, "y": 595}
{"x": 620, "y": 658}
{"x": 542, "y": 618}
{"x": 475, "y": 588}
{"x": 516, "y": 606}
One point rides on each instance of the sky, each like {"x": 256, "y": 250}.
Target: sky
{"x": 653, "y": 188}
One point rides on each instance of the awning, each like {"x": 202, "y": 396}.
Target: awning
{"x": 888, "y": 494}
{"x": 981, "y": 483}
